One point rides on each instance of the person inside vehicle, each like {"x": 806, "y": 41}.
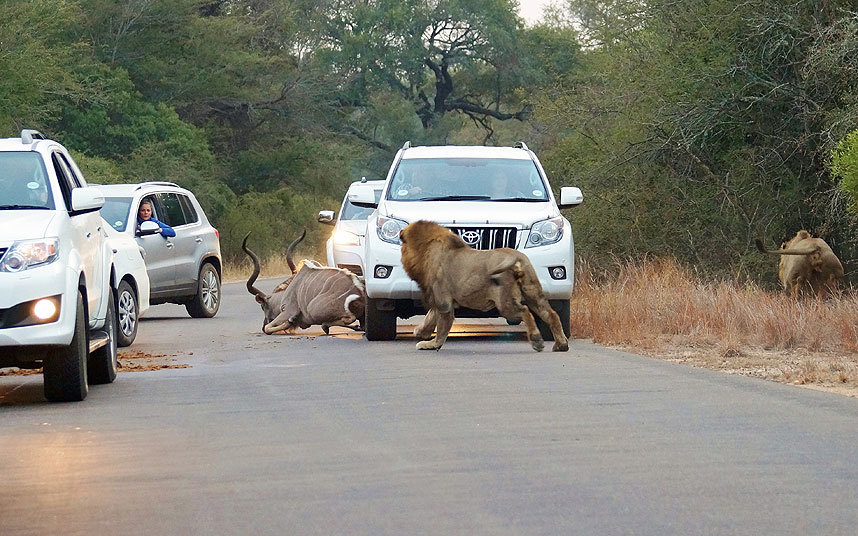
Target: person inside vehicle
{"x": 145, "y": 214}
{"x": 422, "y": 184}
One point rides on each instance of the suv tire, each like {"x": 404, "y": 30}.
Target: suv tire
{"x": 127, "y": 314}
{"x": 379, "y": 325}
{"x": 103, "y": 361}
{"x": 561, "y": 307}
{"x": 65, "y": 368}
{"x": 206, "y": 302}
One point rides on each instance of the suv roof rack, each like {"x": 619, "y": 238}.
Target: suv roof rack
{"x": 28, "y": 135}
{"x": 406, "y": 145}
{"x": 156, "y": 183}
{"x": 521, "y": 145}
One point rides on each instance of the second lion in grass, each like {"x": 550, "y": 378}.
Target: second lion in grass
{"x": 451, "y": 274}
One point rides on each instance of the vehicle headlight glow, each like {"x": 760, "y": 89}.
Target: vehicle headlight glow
{"x": 44, "y": 309}
{"x": 545, "y": 232}
{"x": 345, "y": 238}
{"x": 26, "y": 254}
{"x": 388, "y": 229}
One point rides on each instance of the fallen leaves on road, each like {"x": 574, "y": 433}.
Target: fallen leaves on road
{"x": 134, "y": 361}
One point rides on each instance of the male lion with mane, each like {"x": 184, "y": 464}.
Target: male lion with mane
{"x": 450, "y": 274}
{"x": 807, "y": 263}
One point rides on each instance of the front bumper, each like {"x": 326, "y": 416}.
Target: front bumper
{"x": 399, "y": 286}
{"x": 41, "y": 282}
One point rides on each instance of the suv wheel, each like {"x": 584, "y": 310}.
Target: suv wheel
{"x": 102, "y": 362}
{"x": 561, "y": 307}
{"x": 379, "y": 325}
{"x": 127, "y": 314}
{"x": 207, "y": 300}
{"x": 65, "y": 368}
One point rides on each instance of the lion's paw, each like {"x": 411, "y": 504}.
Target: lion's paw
{"x": 537, "y": 344}
{"x": 420, "y": 335}
{"x": 427, "y": 345}
{"x": 560, "y": 347}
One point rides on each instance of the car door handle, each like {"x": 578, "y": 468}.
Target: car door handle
{"x": 169, "y": 244}
{"x": 198, "y": 240}
{"x": 88, "y": 235}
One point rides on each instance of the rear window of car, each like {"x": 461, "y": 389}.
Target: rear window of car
{"x": 172, "y": 214}
{"x": 188, "y": 208}
{"x": 115, "y": 212}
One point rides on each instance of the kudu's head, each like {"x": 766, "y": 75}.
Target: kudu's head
{"x": 271, "y": 305}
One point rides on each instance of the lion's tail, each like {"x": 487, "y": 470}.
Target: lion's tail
{"x": 789, "y": 251}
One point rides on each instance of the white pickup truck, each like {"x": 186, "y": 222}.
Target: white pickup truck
{"x": 57, "y": 276}
{"x": 492, "y": 197}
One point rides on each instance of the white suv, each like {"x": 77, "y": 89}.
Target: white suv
{"x": 57, "y": 275}
{"x": 490, "y": 196}
{"x": 345, "y": 247}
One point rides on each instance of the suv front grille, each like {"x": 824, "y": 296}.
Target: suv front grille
{"x": 487, "y": 237}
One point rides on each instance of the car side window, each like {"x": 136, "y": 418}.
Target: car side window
{"x": 188, "y": 208}
{"x": 64, "y": 177}
{"x": 172, "y": 210}
{"x": 70, "y": 170}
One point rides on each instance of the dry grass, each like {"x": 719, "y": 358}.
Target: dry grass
{"x": 660, "y": 309}
{"x": 272, "y": 266}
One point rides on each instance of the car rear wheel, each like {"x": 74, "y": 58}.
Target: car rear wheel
{"x": 207, "y": 300}
{"x": 379, "y": 325}
{"x": 127, "y": 314}
{"x": 65, "y": 368}
{"x": 102, "y": 362}
{"x": 561, "y": 307}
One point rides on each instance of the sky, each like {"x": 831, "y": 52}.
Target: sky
{"x": 531, "y": 10}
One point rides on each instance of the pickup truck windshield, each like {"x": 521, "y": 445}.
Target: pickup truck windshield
{"x": 467, "y": 179}
{"x": 23, "y": 182}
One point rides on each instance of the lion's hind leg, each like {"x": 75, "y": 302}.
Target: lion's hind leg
{"x": 532, "y": 331}
{"x": 550, "y": 317}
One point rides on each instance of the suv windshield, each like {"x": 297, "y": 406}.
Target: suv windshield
{"x": 115, "y": 212}
{"x": 466, "y": 179}
{"x": 352, "y": 212}
{"x": 23, "y": 182}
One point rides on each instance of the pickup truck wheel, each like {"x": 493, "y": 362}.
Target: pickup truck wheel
{"x": 102, "y": 362}
{"x": 561, "y": 307}
{"x": 127, "y": 314}
{"x": 379, "y": 325}
{"x": 207, "y": 300}
{"x": 65, "y": 368}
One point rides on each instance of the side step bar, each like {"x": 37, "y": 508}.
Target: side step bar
{"x": 97, "y": 339}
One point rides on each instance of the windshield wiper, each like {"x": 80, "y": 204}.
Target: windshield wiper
{"x": 456, "y": 198}
{"x": 525, "y": 199}
{"x": 23, "y": 207}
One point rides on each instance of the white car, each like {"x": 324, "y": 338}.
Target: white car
{"x": 57, "y": 271}
{"x": 492, "y": 197}
{"x": 345, "y": 247}
{"x": 132, "y": 289}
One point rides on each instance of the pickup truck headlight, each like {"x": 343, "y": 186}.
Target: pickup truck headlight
{"x": 545, "y": 232}
{"x": 388, "y": 229}
{"x": 345, "y": 238}
{"x": 29, "y": 253}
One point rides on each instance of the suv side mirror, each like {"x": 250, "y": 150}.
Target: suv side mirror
{"x": 86, "y": 199}
{"x": 570, "y": 196}
{"x": 362, "y": 196}
{"x": 326, "y": 217}
{"x": 148, "y": 228}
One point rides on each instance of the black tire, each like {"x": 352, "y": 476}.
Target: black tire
{"x": 561, "y": 307}
{"x": 65, "y": 368}
{"x": 127, "y": 314}
{"x": 102, "y": 362}
{"x": 379, "y": 325}
{"x": 206, "y": 302}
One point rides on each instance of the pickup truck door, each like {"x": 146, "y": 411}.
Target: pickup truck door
{"x": 87, "y": 236}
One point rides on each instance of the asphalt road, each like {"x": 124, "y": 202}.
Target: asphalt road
{"x": 336, "y": 435}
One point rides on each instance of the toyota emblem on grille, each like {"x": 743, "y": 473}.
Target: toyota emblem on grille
{"x": 471, "y": 237}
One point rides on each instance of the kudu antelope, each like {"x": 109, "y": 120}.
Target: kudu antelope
{"x": 312, "y": 295}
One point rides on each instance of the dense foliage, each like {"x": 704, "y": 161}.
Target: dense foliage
{"x": 693, "y": 126}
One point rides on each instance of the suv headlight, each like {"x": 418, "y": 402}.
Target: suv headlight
{"x": 545, "y": 232}
{"x": 29, "y": 254}
{"x": 345, "y": 238}
{"x": 388, "y": 229}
